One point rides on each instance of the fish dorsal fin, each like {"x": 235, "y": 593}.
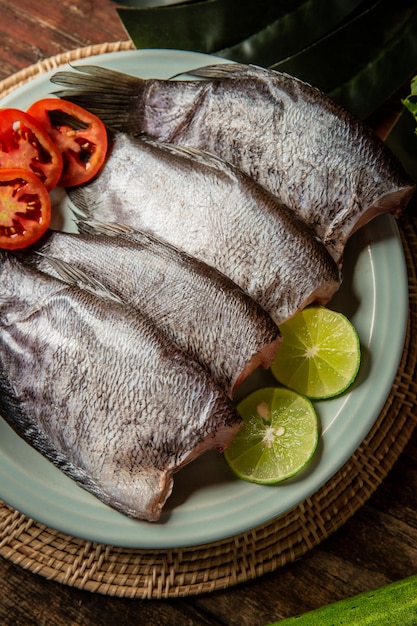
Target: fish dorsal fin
{"x": 78, "y": 278}
{"x": 94, "y": 227}
{"x": 214, "y": 70}
{"x": 139, "y": 238}
{"x": 116, "y": 229}
{"x": 83, "y": 209}
{"x": 77, "y": 199}
{"x": 221, "y": 71}
{"x": 202, "y": 157}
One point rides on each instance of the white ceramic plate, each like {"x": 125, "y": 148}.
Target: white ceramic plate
{"x": 208, "y": 504}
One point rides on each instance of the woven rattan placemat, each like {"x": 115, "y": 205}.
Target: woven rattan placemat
{"x": 179, "y": 572}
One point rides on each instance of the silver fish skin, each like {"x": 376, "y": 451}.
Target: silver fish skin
{"x": 100, "y": 393}
{"x": 317, "y": 158}
{"x": 196, "y": 307}
{"x": 214, "y": 212}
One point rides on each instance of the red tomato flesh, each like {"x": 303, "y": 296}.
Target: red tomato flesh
{"x": 25, "y": 208}
{"x": 25, "y": 144}
{"x": 80, "y": 136}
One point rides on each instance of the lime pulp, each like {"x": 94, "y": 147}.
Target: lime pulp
{"x": 278, "y": 438}
{"x": 319, "y": 355}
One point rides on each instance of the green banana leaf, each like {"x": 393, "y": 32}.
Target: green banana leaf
{"x": 364, "y": 61}
{"x": 402, "y": 140}
{"x": 358, "y": 51}
{"x": 292, "y": 32}
{"x": 411, "y": 100}
{"x": 211, "y": 25}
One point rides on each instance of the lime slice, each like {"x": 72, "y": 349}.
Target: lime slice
{"x": 278, "y": 437}
{"x": 319, "y": 355}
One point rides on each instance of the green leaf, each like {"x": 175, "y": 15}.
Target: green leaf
{"x": 358, "y": 51}
{"x": 402, "y": 140}
{"x": 411, "y": 100}
{"x": 294, "y": 30}
{"x": 364, "y": 61}
{"x": 148, "y": 4}
{"x": 204, "y": 26}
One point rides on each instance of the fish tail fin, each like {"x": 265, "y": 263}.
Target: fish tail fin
{"x": 113, "y": 96}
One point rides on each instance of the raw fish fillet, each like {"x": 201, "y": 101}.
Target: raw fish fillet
{"x": 318, "y": 159}
{"x": 214, "y": 212}
{"x": 98, "y": 391}
{"x": 199, "y": 309}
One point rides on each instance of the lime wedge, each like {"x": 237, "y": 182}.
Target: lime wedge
{"x": 278, "y": 437}
{"x": 319, "y": 355}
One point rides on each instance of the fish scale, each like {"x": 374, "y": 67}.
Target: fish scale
{"x": 317, "y": 158}
{"x": 215, "y": 213}
{"x": 198, "y": 308}
{"x": 97, "y": 390}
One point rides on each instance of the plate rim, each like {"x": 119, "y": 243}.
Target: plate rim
{"x": 165, "y": 542}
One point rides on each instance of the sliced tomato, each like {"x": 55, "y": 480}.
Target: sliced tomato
{"x": 25, "y": 208}
{"x": 25, "y": 144}
{"x": 80, "y": 136}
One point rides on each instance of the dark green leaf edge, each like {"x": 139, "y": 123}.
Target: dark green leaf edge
{"x": 201, "y": 26}
{"x": 290, "y": 34}
{"x": 386, "y": 53}
{"x": 382, "y": 77}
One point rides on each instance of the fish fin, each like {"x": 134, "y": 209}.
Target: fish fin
{"x": 78, "y": 278}
{"x": 82, "y": 207}
{"x": 219, "y": 71}
{"x": 115, "y": 229}
{"x": 3, "y": 256}
{"x": 111, "y": 95}
{"x": 208, "y": 159}
{"x": 94, "y": 227}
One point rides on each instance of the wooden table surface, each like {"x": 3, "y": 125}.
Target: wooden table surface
{"x": 376, "y": 546}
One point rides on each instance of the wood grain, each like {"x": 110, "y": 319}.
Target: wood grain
{"x": 376, "y": 546}
{"x": 32, "y": 30}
